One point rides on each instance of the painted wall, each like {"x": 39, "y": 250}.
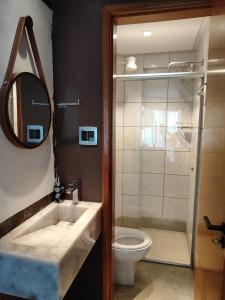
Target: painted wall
{"x": 25, "y": 175}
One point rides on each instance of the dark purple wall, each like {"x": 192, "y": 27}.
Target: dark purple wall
{"x": 77, "y": 44}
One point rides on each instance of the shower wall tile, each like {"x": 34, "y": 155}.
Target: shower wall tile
{"x": 152, "y": 184}
{"x": 131, "y": 161}
{"x": 195, "y": 112}
{"x": 131, "y": 206}
{"x": 176, "y": 186}
{"x": 119, "y": 161}
{"x": 174, "y": 209}
{"x": 132, "y": 138}
{"x": 154, "y": 138}
{"x": 119, "y": 114}
{"x": 118, "y": 206}
{"x": 177, "y": 163}
{"x": 119, "y": 93}
{"x": 180, "y": 90}
{"x": 154, "y": 114}
{"x": 155, "y": 90}
{"x": 119, "y": 184}
{"x": 131, "y": 183}
{"x": 132, "y": 114}
{"x": 182, "y": 56}
{"x": 153, "y": 161}
{"x": 178, "y": 139}
{"x": 153, "y": 61}
{"x": 133, "y": 91}
{"x": 179, "y": 114}
{"x": 151, "y": 207}
{"x": 119, "y": 138}
{"x": 153, "y": 155}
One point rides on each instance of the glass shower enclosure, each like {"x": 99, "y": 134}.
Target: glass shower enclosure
{"x": 157, "y": 131}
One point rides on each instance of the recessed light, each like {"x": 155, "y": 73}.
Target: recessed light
{"x": 147, "y": 33}
{"x": 114, "y": 36}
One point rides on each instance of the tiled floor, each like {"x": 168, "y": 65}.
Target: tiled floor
{"x": 168, "y": 246}
{"x": 158, "y": 282}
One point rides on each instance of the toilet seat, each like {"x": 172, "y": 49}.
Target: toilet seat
{"x": 136, "y": 239}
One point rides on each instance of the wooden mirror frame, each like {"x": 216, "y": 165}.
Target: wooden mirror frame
{"x": 4, "y": 112}
{"x": 25, "y": 25}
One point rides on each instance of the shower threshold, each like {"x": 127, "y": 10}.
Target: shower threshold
{"x": 169, "y": 247}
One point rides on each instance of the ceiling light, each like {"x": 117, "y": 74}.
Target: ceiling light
{"x": 147, "y": 33}
{"x": 114, "y": 36}
{"x": 131, "y": 64}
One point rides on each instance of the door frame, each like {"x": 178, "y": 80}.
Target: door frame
{"x": 149, "y": 11}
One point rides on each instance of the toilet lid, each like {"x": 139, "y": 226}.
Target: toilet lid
{"x": 131, "y": 239}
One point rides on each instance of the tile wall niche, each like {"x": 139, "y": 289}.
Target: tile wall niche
{"x": 153, "y": 131}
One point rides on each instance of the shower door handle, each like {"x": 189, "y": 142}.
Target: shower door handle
{"x": 210, "y": 226}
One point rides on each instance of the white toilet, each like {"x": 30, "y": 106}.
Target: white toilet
{"x": 130, "y": 246}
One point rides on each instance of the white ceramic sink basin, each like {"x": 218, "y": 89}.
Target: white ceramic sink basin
{"x": 40, "y": 258}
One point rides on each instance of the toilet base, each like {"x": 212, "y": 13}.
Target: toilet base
{"x": 124, "y": 273}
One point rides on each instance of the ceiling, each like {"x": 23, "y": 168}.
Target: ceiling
{"x": 168, "y": 36}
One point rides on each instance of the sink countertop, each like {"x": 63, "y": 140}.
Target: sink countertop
{"x": 40, "y": 258}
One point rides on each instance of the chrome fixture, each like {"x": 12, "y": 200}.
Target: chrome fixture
{"x": 39, "y": 103}
{"x": 182, "y": 64}
{"x": 131, "y": 64}
{"x": 65, "y": 104}
{"x": 155, "y": 76}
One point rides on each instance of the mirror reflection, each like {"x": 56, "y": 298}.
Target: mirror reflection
{"x": 29, "y": 110}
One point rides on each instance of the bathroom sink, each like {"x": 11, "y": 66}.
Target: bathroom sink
{"x": 40, "y": 258}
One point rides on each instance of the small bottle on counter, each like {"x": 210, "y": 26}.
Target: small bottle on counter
{"x": 58, "y": 190}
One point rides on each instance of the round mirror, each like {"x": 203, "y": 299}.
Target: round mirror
{"x": 26, "y": 117}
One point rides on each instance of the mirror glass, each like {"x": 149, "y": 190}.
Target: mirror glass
{"x": 29, "y": 109}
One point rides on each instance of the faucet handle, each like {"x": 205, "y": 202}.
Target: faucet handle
{"x": 72, "y": 191}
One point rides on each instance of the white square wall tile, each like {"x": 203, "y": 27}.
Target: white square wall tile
{"x": 131, "y": 206}
{"x": 153, "y": 138}
{"x": 152, "y": 184}
{"x": 176, "y": 186}
{"x": 131, "y": 183}
{"x": 151, "y": 206}
{"x": 119, "y": 114}
{"x": 119, "y": 92}
{"x": 195, "y": 112}
{"x": 133, "y": 91}
{"x": 154, "y": 114}
{"x": 155, "y": 90}
{"x": 153, "y": 161}
{"x": 131, "y": 161}
{"x": 160, "y": 60}
{"x": 119, "y": 138}
{"x": 177, "y": 162}
{"x": 119, "y": 161}
{"x": 132, "y": 139}
{"x": 182, "y": 56}
{"x": 180, "y": 90}
{"x": 178, "y": 139}
{"x": 132, "y": 114}
{"x": 118, "y": 184}
{"x": 118, "y": 206}
{"x": 179, "y": 114}
{"x": 175, "y": 209}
